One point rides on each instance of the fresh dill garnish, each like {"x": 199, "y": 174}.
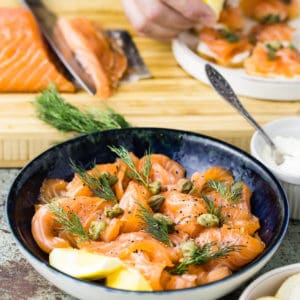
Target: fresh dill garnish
{"x": 99, "y": 185}
{"x": 69, "y": 221}
{"x": 272, "y": 49}
{"x": 124, "y": 155}
{"x": 201, "y": 255}
{"x": 231, "y": 193}
{"x": 56, "y": 111}
{"x": 156, "y": 228}
{"x": 147, "y": 167}
{"x": 271, "y": 19}
{"x": 212, "y": 209}
{"x": 229, "y": 36}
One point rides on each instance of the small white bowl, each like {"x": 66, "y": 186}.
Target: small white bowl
{"x": 286, "y": 127}
{"x": 268, "y": 283}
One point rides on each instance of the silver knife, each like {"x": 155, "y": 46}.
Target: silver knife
{"x": 47, "y": 21}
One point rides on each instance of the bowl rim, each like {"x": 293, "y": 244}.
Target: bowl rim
{"x": 250, "y": 266}
{"x": 284, "y": 176}
{"x": 266, "y": 276}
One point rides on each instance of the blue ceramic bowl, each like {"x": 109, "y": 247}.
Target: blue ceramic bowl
{"x": 195, "y": 152}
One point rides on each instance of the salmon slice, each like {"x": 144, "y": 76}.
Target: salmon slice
{"x": 163, "y": 169}
{"x": 175, "y": 282}
{"x": 216, "y": 173}
{"x": 237, "y": 213}
{"x": 52, "y": 188}
{"x": 136, "y": 194}
{"x": 96, "y": 53}
{"x": 282, "y": 62}
{"x": 223, "y": 47}
{"x": 272, "y": 32}
{"x": 184, "y": 209}
{"x": 249, "y": 247}
{"x": 25, "y": 65}
{"x": 261, "y": 10}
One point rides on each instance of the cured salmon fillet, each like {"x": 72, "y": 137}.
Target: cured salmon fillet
{"x": 25, "y": 65}
{"x": 99, "y": 56}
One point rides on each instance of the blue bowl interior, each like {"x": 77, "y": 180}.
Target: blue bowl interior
{"x": 195, "y": 152}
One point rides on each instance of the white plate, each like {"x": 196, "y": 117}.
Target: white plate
{"x": 243, "y": 84}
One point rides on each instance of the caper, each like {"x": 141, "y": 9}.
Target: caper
{"x": 208, "y": 220}
{"x": 185, "y": 186}
{"x": 111, "y": 178}
{"x": 156, "y": 201}
{"x": 187, "y": 248}
{"x": 113, "y": 212}
{"x": 96, "y": 227}
{"x": 155, "y": 187}
{"x": 165, "y": 220}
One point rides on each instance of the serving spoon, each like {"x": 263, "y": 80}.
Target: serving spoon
{"x": 223, "y": 88}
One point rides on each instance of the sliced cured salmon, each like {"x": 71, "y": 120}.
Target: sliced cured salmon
{"x": 99, "y": 55}
{"x": 25, "y": 65}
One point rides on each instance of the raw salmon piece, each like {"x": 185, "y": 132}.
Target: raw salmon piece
{"x": 184, "y": 209}
{"x": 284, "y": 62}
{"x": 52, "y": 188}
{"x": 222, "y": 50}
{"x": 273, "y": 32}
{"x": 25, "y": 65}
{"x": 250, "y": 247}
{"x": 163, "y": 169}
{"x": 134, "y": 195}
{"x": 102, "y": 60}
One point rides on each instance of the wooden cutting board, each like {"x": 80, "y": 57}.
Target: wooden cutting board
{"x": 170, "y": 99}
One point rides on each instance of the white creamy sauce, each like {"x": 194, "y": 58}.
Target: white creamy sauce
{"x": 290, "y": 147}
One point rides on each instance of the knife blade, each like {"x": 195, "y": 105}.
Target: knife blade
{"x": 47, "y": 21}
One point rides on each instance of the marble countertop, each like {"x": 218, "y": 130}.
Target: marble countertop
{"x": 20, "y": 281}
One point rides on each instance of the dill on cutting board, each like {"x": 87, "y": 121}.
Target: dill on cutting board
{"x": 53, "y": 109}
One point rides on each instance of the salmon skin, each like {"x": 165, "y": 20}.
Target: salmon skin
{"x": 25, "y": 64}
{"x": 95, "y": 58}
{"x": 125, "y": 233}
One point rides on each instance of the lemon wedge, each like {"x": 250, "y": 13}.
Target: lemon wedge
{"x": 128, "y": 279}
{"x": 82, "y": 264}
{"x": 216, "y": 5}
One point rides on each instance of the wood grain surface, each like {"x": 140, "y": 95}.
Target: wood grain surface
{"x": 170, "y": 99}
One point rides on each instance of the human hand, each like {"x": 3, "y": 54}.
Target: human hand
{"x": 165, "y": 19}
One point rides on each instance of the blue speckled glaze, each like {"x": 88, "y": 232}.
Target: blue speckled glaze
{"x": 194, "y": 151}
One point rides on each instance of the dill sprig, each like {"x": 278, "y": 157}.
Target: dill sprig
{"x": 124, "y": 155}
{"x": 56, "y": 111}
{"x": 156, "y": 228}
{"x": 212, "y": 209}
{"x": 232, "y": 193}
{"x": 229, "y": 36}
{"x": 68, "y": 220}
{"x": 203, "y": 254}
{"x": 99, "y": 185}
